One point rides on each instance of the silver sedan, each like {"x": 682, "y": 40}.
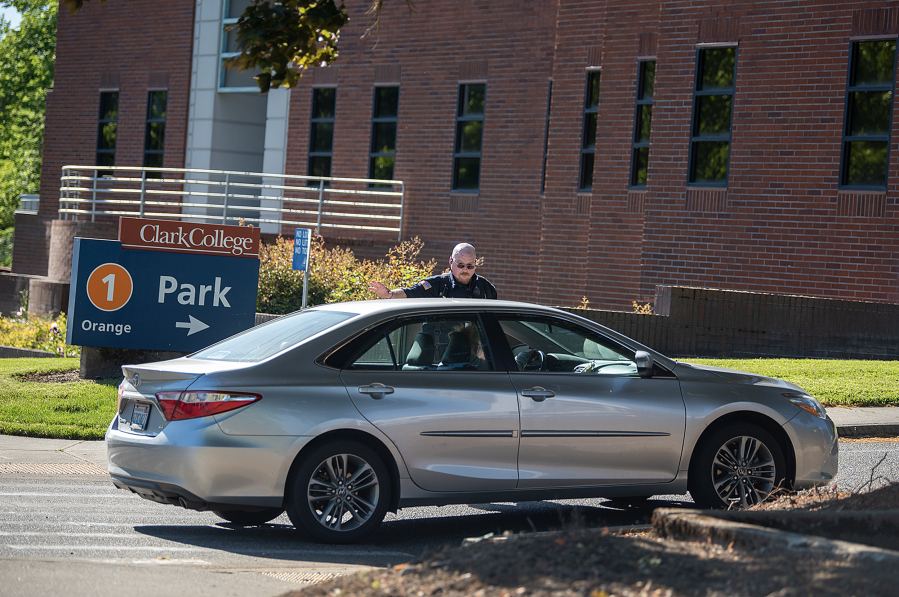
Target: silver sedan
{"x": 343, "y": 412}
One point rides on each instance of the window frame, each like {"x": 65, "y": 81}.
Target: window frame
{"x": 362, "y": 344}
{"x": 150, "y": 120}
{"x": 462, "y": 116}
{"x": 375, "y": 120}
{"x": 313, "y": 121}
{"x": 549, "y": 101}
{"x": 100, "y": 125}
{"x": 224, "y": 54}
{"x": 529, "y": 320}
{"x": 694, "y": 122}
{"x": 846, "y": 138}
{"x": 640, "y": 102}
{"x": 586, "y": 150}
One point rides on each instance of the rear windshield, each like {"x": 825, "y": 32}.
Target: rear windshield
{"x": 263, "y": 341}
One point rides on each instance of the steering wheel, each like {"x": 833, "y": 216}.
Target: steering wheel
{"x": 530, "y": 360}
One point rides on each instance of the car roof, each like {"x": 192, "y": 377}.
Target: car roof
{"x": 386, "y": 306}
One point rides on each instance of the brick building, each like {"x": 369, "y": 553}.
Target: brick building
{"x": 587, "y": 149}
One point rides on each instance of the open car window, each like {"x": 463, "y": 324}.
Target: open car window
{"x": 427, "y": 343}
{"x": 548, "y": 344}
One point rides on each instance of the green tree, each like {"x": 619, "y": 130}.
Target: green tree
{"x": 27, "y": 55}
{"x": 282, "y": 38}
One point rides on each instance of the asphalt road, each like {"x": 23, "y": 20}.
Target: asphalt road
{"x": 79, "y": 535}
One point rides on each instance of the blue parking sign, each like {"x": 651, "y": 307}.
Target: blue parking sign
{"x": 302, "y": 238}
{"x": 153, "y": 300}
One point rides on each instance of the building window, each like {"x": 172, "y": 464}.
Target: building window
{"x": 321, "y": 139}
{"x": 549, "y": 101}
{"x": 108, "y": 128}
{"x": 469, "y": 135}
{"x": 588, "y": 133}
{"x": 154, "y": 138}
{"x": 383, "y": 133}
{"x": 713, "y": 99}
{"x": 231, "y": 79}
{"x": 868, "y": 117}
{"x": 646, "y": 75}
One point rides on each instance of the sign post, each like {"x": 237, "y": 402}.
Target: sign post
{"x": 302, "y": 241}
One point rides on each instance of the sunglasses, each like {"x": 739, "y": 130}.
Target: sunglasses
{"x": 464, "y": 265}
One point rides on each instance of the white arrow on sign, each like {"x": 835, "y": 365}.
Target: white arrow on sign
{"x": 193, "y": 327}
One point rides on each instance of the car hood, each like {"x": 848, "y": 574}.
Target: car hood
{"x": 734, "y": 376}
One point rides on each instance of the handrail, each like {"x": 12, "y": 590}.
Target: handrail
{"x": 223, "y": 196}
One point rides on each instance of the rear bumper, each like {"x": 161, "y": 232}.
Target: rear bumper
{"x": 166, "y": 493}
{"x": 193, "y": 464}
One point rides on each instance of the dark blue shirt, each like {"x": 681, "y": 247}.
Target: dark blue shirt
{"x": 446, "y": 286}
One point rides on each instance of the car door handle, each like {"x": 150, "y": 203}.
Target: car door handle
{"x": 376, "y": 390}
{"x": 538, "y": 394}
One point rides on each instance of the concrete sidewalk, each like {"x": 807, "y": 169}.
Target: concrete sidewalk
{"x": 63, "y": 456}
{"x": 860, "y": 421}
{"x": 51, "y": 456}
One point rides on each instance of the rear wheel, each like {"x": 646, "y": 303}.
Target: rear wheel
{"x": 249, "y": 519}
{"x": 738, "y": 465}
{"x": 339, "y": 493}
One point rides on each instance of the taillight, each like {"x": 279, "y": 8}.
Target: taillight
{"x": 178, "y": 406}
{"x": 118, "y": 400}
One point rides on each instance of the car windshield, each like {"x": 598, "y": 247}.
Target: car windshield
{"x": 261, "y": 342}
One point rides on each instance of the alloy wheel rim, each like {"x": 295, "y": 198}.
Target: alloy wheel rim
{"x": 743, "y": 471}
{"x": 343, "y": 492}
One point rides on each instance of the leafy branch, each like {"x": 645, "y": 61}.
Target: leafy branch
{"x": 282, "y": 38}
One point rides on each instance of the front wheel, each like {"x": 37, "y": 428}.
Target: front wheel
{"x": 339, "y": 493}
{"x": 738, "y": 465}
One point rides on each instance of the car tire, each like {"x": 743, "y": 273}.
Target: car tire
{"x": 316, "y": 491}
{"x": 737, "y": 466}
{"x": 249, "y": 519}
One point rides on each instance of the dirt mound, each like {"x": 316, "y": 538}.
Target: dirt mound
{"x": 52, "y": 377}
{"x": 596, "y": 563}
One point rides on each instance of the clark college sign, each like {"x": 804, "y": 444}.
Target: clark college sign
{"x": 189, "y": 237}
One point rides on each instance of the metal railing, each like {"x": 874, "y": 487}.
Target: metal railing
{"x": 222, "y": 196}
{"x": 28, "y": 204}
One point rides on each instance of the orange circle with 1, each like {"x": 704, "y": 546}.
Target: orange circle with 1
{"x": 109, "y": 287}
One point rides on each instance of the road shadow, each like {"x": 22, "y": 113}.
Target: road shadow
{"x": 410, "y": 533}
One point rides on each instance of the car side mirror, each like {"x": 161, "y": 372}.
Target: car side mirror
{"x": 644, "y": 363}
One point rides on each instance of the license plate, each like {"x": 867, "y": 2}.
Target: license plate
{"x": 139, "y": 416}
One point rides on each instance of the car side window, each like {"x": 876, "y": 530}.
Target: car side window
{"x": 378, "y": 357}
{"x": 556, "y": 345}
{"x": 446, "y": 343}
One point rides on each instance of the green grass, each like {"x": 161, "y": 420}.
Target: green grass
{"x": 834, "y": 383}
{"x": 83, "y": 409}
{"x": 78, "y": 410}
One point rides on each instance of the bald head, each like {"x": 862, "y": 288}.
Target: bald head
{"x": 464, "y": 251}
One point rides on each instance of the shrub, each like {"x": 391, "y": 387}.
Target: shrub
{"x": 335, "y": 275}
{"x": 281, "y": 286}
{"x": 41, "y": 333}
{"x": 645, "y": 309}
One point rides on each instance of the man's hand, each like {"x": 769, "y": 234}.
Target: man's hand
{"x": 379, "y": 289}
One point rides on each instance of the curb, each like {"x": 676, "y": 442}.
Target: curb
{"x": 10, "y": 352}
{"x": 692, "y": 525}
{"x": 868, "y": 431}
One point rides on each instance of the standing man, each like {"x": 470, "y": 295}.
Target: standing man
{"x": 461, "y": 282}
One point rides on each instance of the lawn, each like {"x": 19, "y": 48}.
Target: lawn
{"x": 834, "y": 383}
{"x": 74, "y": 410}
{"x": 83, "y": 409}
